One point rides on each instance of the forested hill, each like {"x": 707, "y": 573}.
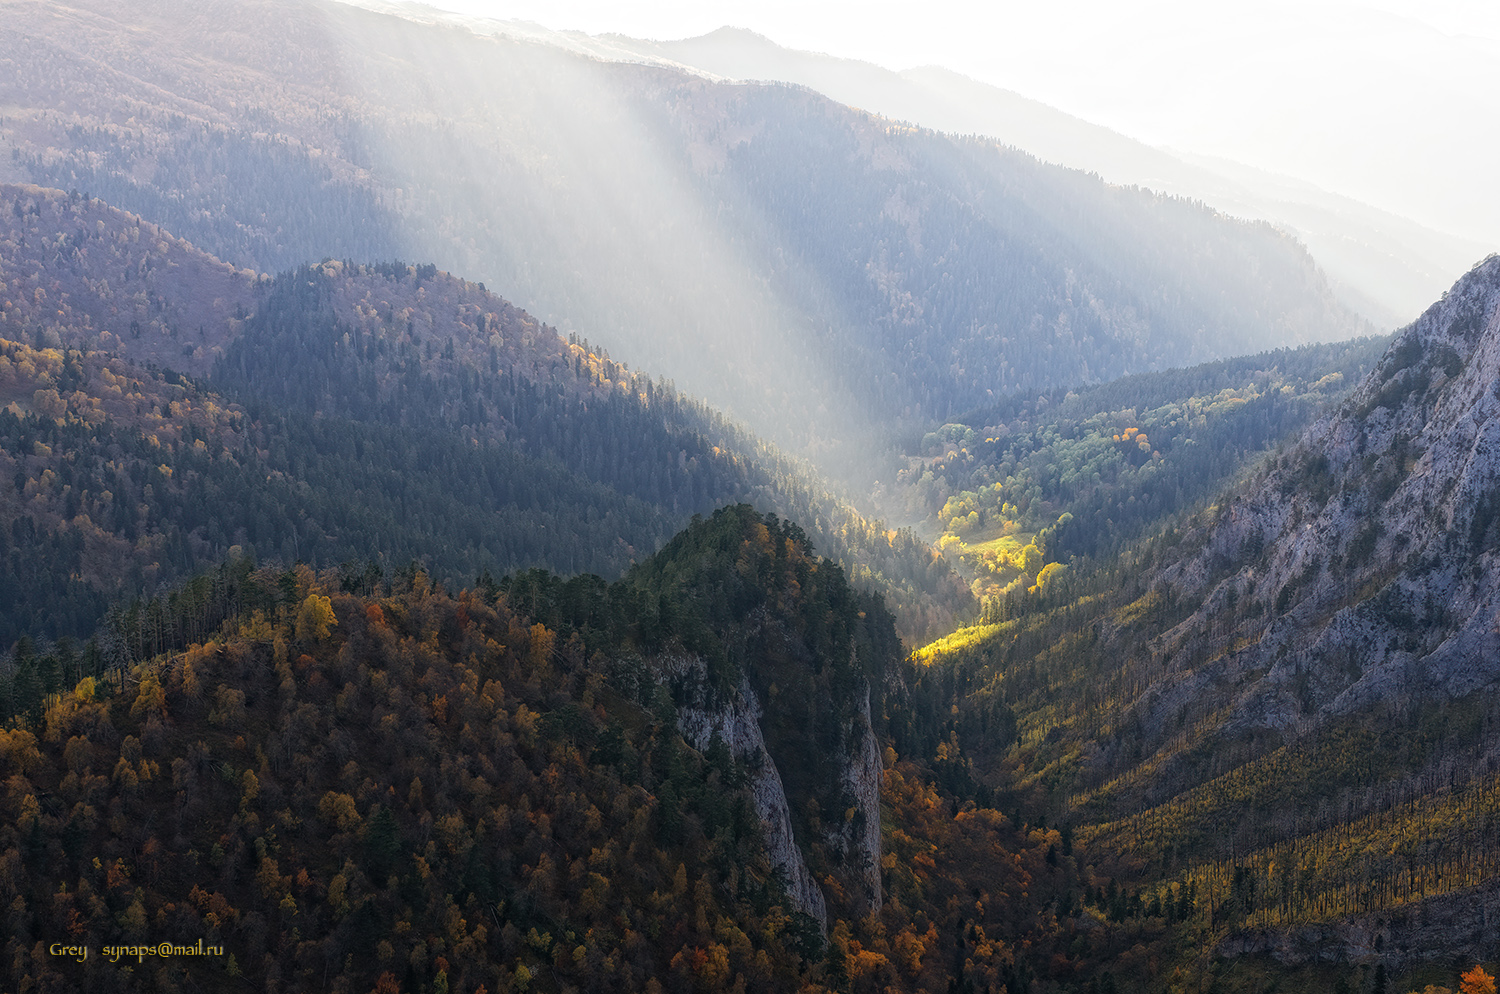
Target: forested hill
{"x": 402, "y": 789}
{"x": 819, "y": 273}
{"x": 384, "y": 413}
{"x": 330, "y": 341}
{"x": 76, "y": 273}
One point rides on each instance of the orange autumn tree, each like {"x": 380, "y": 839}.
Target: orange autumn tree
{"x": 1476, "y": 981}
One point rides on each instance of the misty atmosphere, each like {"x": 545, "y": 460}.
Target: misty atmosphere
{"x": 565, "y": 497}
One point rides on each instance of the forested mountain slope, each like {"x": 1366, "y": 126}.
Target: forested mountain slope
{"x": 351, "y": 414}
{"x": 1285, "y": 709}
{"x": 1083, "y": 475}
{"x": 844, "y": 273}
{"x": 403, "y": 789}
{"x": 76, "y": 273}
{"x": 1385, "y": 266}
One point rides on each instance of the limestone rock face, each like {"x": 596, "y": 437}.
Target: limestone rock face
{"x": 1355, "y": 580}
{"x": 862, "y": 777}
{"x": 1365, "y": 563}
{"x": 736, "y": 721}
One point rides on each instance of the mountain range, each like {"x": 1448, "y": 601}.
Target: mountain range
{"x": 342, "y": 414}
{"x": 714, "y": 232}
{"x": 1384, "y": 266}
{"x": 382, "y": 630}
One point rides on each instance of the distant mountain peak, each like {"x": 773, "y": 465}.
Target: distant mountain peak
{"x": 730, "y": 32}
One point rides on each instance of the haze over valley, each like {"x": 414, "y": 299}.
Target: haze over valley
{"x": 1381, "y": 264}
{"x": 839, "y": 305}
{"x": 493, "y": 506}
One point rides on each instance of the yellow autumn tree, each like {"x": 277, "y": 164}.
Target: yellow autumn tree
{"x": 1048, "y": 573}
{"x": 543, "y": 642}
{"x": 314, "y": 618}
{"x": 152, "y": 698}
{"x": 340, "y": 810}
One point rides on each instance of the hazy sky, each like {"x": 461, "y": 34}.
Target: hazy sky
{"x": 1392, "y": 102}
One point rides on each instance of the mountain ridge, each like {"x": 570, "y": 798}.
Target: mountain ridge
{"x": 1276, "y": 717}
{"x": 851, "y": 274}
{"x": 1385, "y": 266}
{"x": 326, "y": 406}
{"x": 1425, "y": 418}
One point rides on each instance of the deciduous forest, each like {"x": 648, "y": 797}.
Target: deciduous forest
{"x": 811, "y": 554}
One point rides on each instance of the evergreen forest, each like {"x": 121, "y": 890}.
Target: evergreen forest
{"x": 797, "y": 551}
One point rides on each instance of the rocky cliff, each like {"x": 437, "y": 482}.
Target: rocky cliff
{"x": 770, "y": 649}
{"x": 1314, "y": 668}
{"x": 734, "y": 718}
{"x": 861, "y": 778}
{"x": 736, "y": 722}
{"x": 1363, "y": 564}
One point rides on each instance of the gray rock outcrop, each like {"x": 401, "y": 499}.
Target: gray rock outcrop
{"x": 1364, "y": 565}
{"x": 862, "y": 778}
{"x": 735, "y": 720}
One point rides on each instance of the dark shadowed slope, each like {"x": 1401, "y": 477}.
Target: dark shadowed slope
{"x": 817, "y": 272}
{"x": 352, "y": 413}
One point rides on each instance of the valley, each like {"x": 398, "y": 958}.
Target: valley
{"x": 952, "y": 572}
